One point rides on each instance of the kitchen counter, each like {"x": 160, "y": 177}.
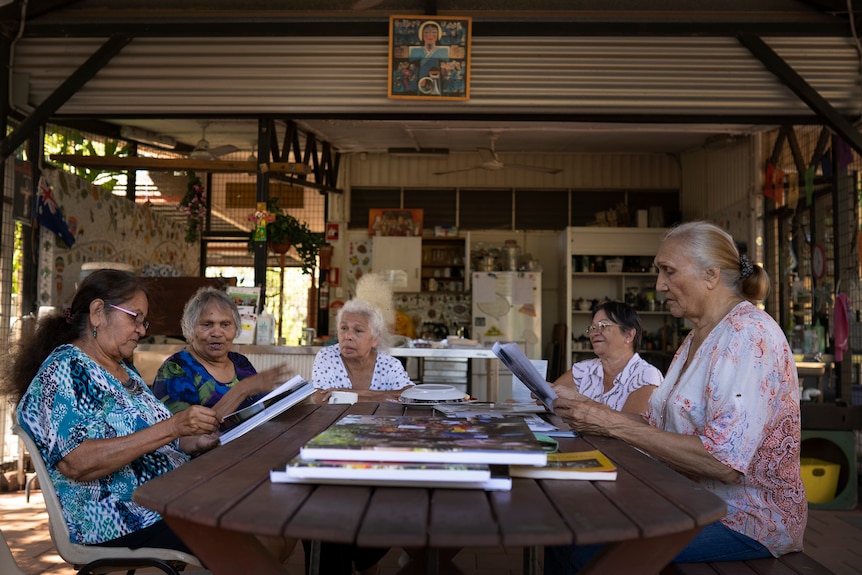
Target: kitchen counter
{"x": 148, "y": 358}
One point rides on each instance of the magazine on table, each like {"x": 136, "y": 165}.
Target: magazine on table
{"x": 518, "y": 363}
{"x": 435, "y": 475}
{"x": 431, "y": 439}
{"x": 592, "y": 465}
{"x": 272, "y": 404}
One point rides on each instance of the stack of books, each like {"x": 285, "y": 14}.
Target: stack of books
{"x": 456, "y": 452}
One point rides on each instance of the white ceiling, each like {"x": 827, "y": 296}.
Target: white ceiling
{"x": 354, "y": 136}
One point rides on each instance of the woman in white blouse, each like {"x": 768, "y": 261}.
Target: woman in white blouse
{"x": 617, "y": 377}
{"x": 359, "y": 363}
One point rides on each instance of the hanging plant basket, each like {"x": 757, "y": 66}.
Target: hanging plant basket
{"x": 279, "y": 247}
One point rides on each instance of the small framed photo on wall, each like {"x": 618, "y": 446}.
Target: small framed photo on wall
{"x": 429, "y": 57}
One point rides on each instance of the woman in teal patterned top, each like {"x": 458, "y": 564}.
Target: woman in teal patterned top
{"x": 98, "y": 427}
{"x": 207, "y": 372}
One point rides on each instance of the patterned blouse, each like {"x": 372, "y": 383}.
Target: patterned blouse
{"x": 328, "y": 372}
{"x": 589, "y": 378}
{"x": 182, "y": 381}
{"x": 740, "y": 395}
{"x": 73, "y": 399}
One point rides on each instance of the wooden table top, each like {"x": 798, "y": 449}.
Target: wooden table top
{"x": 229, "y": 489}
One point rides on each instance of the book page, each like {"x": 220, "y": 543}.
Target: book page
{"x": 518, "y": 363}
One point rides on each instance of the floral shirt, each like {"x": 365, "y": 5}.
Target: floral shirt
{"x": 182, "y": 381}
{"x": 589, "y": 378}
{"x": 73, "y": 399}
{"x": 740, "y": 395}
{"x": 328, "y": 372}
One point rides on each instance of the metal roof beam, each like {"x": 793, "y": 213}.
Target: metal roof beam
{"x": 152, "y": 24}
{"x": 66, "y": 90}
{"x": 790, "y": 78}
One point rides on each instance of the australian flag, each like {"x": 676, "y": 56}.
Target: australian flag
{"x": 48, "y": 213}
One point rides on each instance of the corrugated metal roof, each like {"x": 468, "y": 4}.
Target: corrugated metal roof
{"x": 314, "y": 76}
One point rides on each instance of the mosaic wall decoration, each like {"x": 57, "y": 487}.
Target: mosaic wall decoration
{"x": 107, "y": 228}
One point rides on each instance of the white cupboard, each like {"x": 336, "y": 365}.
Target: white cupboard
{"x": 399, "y": 260}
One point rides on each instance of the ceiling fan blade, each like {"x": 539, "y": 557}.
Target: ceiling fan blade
{"x": 541, "y": 169}
{"x": 443, "y": 173}
{"x": 487, "y": 155}
{"x": 222, "y": 150}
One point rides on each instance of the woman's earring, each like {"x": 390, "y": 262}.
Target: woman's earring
{"x": 94, "y": 333}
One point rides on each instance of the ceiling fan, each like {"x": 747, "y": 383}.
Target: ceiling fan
{"x": 491, "y": 161}
{"x": 203, "y": 151}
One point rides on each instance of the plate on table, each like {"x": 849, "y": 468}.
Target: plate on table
{"x": 432, "y": 394}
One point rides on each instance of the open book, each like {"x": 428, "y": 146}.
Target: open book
{"x": 592, "y": 465}
{"x": 277, "y": 401}
{"x": 518, "y": 363}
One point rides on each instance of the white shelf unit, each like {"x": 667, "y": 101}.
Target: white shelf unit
{"x": 605, "y": 242}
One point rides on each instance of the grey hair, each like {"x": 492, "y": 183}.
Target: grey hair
{"x": 376, "y": 320}
{"x": 708, "y": 245}
{"x": 198, "y": 302}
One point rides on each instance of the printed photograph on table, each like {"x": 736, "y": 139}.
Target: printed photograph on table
{"x": 394, "y": 222}
{"x": 429, "y": 57}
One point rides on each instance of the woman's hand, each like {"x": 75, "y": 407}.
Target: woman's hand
{"x": 565, "y": 390}
{"x": 581, "y": 413}
{"x": 197, "y": 444}
{"x": 321, "y": 395}
{"x": 196, "y": 420}
{"x": 267, "y": 380}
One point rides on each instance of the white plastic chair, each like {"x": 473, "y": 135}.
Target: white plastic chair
{"x": 8, "y": 566}
{"x": 92, "y": 559}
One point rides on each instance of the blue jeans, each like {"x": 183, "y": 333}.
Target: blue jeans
{"x": 715, "y": 542}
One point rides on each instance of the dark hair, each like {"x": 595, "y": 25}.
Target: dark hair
{"x": 624, "y": 316}
{"x": 65, "y": 326}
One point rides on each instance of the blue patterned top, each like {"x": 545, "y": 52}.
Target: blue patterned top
{"x": 328, "y": 372}
{"x": 73, "y": 399}
{"x": 182, "y": 381}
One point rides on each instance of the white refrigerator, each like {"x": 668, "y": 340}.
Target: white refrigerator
{"x": 507, "y": 306}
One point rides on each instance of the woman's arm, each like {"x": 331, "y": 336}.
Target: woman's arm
{"x": 684, "y": 452}
{"x": 95, "y": 458}
{"x": 638, "y": 400}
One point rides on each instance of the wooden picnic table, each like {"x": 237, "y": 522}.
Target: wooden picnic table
{"x": 220, "y": 501}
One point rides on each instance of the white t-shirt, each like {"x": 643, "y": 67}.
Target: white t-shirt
{"x": 329, "y": 372}
{"x": 589, "y": 378}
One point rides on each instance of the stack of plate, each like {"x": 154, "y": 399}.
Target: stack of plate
{"x": 432, "y": 394}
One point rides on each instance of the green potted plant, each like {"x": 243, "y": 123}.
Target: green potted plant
{"x": 284, "y": 231}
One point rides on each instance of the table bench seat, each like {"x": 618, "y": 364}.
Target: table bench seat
{"x": 790, "y": 564}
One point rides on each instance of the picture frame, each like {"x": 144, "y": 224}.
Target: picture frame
{"x": 429, "y": 57}
{"x": 394, "y": 222}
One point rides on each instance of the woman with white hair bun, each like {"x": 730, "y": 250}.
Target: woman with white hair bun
{"x": 359, "y": 363}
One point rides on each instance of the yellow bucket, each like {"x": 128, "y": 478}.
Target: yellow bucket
{"x": 820, "y": 478}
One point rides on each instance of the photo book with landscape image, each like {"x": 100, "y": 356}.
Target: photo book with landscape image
{"x": 476, "y": 440}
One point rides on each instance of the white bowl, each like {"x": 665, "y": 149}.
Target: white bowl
{"x": 433, "y": 392}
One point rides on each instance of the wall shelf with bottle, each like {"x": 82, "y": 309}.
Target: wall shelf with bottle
{"x": 613, "y": 264}
{"x": 444, "y": 265}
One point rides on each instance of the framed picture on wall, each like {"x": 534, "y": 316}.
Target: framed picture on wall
{"x": 394, "y": 222}
{"x": 429, "y": 57}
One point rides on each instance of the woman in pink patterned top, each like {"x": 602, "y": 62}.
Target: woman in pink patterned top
{"x": 727, "y": 413}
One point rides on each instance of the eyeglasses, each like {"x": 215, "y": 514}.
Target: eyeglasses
{"x": 600, "y": 327}
{"x": 140, "y": 319}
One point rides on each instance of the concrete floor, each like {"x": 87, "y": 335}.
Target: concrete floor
{"x": 834, "y": 538}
